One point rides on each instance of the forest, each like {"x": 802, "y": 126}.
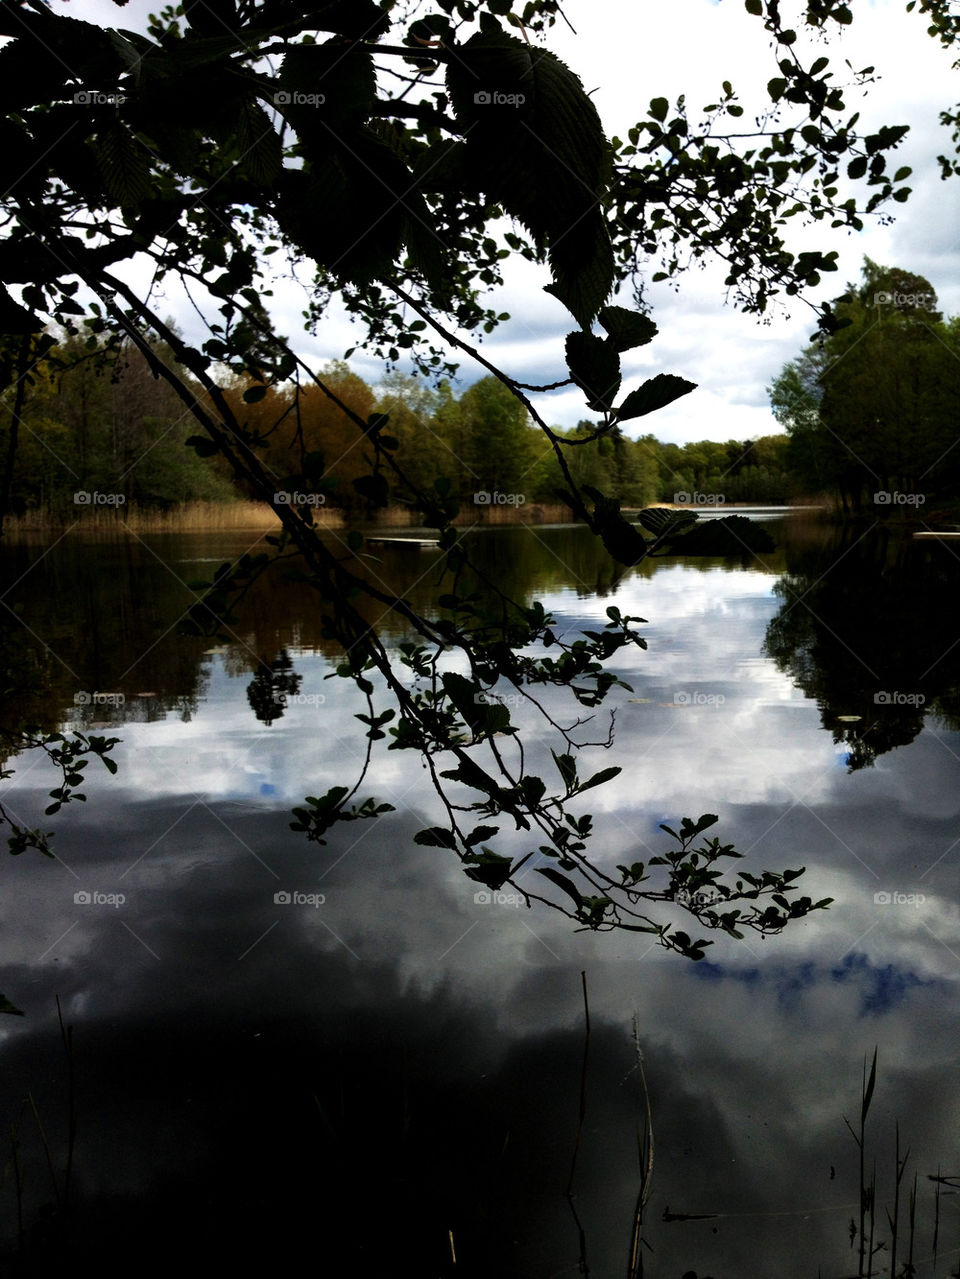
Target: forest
{"x": 98, "y": 423}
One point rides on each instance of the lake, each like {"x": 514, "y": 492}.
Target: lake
{"x": 348, "y": 1052}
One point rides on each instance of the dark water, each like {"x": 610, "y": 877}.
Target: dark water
{"x": 363, "y": 1078}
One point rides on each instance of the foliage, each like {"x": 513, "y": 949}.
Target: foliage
{"x": 871, "y": 411}
{"x": 66, "y": 754}
{"x": 223, "y": 136}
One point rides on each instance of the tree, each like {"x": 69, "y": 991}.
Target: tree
{"x": 261, "y": 126}
{"x": 871, "y": 413}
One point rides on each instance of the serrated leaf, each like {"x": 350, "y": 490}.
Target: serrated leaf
{"x": 534, "y": 143}
{"x": 660, "y": 521}
{"x": 123, "y": 165}
{"x": 655, "y": 393}
{"x": 626, "y": 329}
{"x": 595, "y": 367}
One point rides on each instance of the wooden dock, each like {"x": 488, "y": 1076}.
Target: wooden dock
{"x": 421, "y": 543}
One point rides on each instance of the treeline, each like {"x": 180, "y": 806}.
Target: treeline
{"x": 871, "y": 412}
{"x": 98, "y": 429}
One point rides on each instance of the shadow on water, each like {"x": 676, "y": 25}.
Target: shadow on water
{"x": 867, "y": 628}
{"x": 350, "y": 1143}
{"x": 97, "y": 615}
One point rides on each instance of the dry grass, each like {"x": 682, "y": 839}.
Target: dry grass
{"x": 217, "y": 517}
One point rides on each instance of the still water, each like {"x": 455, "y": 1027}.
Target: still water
{"x": 279, "y": 1048}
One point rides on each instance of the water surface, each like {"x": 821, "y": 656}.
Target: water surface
{"x": 399, "y": 1063}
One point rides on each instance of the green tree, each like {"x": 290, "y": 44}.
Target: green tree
{"x": 871, "y": 411}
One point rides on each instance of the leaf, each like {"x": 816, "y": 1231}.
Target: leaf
{"x": 561, "y": 881}
{"x": 491, "y": 869}
{"x": 605, "y": 775}
{"x": 534, "y": 143}
{"x": 254, "y": 394}
{"x": 655, "y": 393}
{"x": 7, "y": 1007}
{"x": 567, "y": 766}
{"x": 374, "y": 488}
{"x": 258, "y": 143}
{"x": 483, "y": 717}
{"x": 435, "y": 837}
{"x": 123, "y": 165}
{"x": 659, "y": 108}
{"x": 201, "y": 445}
{"x": 326, "y": 86}
{"x": 659, "y": 521}
{"x": 595, "y": 367}
{"x": 480, "y": 833}
{"x": 626, "y": 329}
{"x": 14, "y": 318}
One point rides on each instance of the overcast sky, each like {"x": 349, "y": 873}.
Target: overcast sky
{"x": 626, "y": 54}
